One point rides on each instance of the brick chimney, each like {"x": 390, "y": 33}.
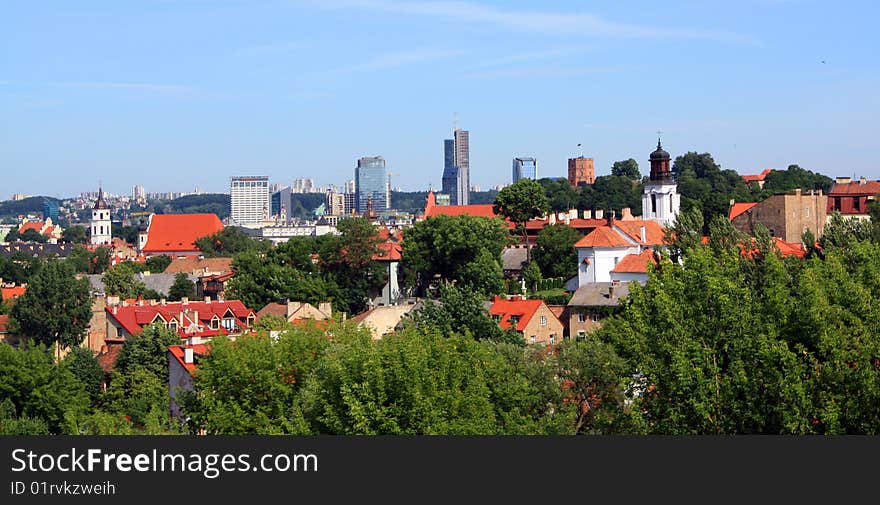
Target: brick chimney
{"x": 184, "y": 300}
{"x": 188, "y": 355}
{"x": 626, "y": 214}
{"x": 610, "y": 218}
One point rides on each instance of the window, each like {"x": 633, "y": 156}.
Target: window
{"x": 857, "y": 203}
{"x": 836, "y": 203}
{"x": 533, "y": 339}
{"x": 552, "y": 338}
{"x": 581, "y": 335}
{"x": 229, "y": 323}
{"x": 671, "y": 204}
{"x": 596, "y": 317}
{"x": 215, "y": 323}
{"x": 582, "y": 318}
{"x": 496, "y": 318}
{"x": 172, "y": 325}
{"x": 543, "y": 320}
{"x": 616, "y": 259}
{"x": 807, "y": 211}
{"x": 653, "y": 203}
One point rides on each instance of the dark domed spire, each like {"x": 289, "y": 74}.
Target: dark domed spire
{"x": 100, "y": 204}
{"x": 660, "y": 171}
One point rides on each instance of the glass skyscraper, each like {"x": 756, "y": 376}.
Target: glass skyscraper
{"x": 370, "y": 180}
{"x": 456, "y": 167}
{"x": 525, "y": 168}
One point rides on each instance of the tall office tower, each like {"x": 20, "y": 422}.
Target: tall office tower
{"x": 525, "y": 168}
{"x": 249, "y": 199}
{"x": 50, "y": 210}
{"x": 370, "y": 184}
{"x": 281, "y": 204}
{"x": 462, "y": 161}
{"x": 451, "y": 179}
{"x": 349, "y": 187}
{"x": 580, "y": 171}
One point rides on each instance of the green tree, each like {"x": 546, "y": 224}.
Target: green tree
{"x": 627, "y": 168}
{"x": 148, "y": 350}
{"x": 127, "y": 233}
{"x": 347, "y": 259}
{"x": 56, "y": 308}
{"x": 612, "y": 192}
{"x": 12, "y": 236}
{"x": 460, "y": 311}
{"x": 465, "y": 249}
{"x": 228, "y": 242}
{"x": 704, "y": 185}
{"x": 85, "y": 367}
{"x": 182, "y": 287}
{"x": 520, "y": 202}
{"x": 84, "y": 261}
{"x": 559, "y": 192}
{"x": 795, "y": 177}
{"x": 40, "y": 389}
{"x": 74, "y": 235}
{"x": 119, "y": 281}
{"x": 554, "y": 251}
{"x": 157, "y": 264}
{"x": 31, "y": 235}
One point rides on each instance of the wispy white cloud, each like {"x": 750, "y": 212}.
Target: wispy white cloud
{"x": 524, "y": 57}
{"x": 147, "y": 87}
{"x": 582, "y": 23}
{"x": 402, "y": 58}
{"x": 270, "y": 49}
{"x": 538, "y": 72}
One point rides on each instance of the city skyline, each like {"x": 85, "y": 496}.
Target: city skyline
{"x": 90, "y": 93}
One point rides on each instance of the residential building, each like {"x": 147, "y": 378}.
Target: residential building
{"x": 196, "y": 321}
{"x": 249, "y": 200}
{"x": 525, "y": 168}
{"x": 199, "y": 266}
{"x": 36, "y": 250}
{"x": 182, "y": 362}
{"x": 389, "y": 257}
{"x": 370, "y": 184}
{"x": 591, "y": 304}
{"x": 335, "y": 203}
{"x": 787, "y": 216}
{"x": 601, "y": 250}
{"x": 533, "y": 319}
{"x": 100, "y": 222}
{"x": 304, "y": 186}
{"x": 297, "y": 311}
{"x": 660, "y": 199}
{"x": 851, "y": 198}
{"x": 138, "y": 193}
{"x": 175, "y": 234}
{"x": 46, "y": 228}
{"x": 581, "y": 171}
{"x": 757, "y": 179}
{"x": 384, "y": 319}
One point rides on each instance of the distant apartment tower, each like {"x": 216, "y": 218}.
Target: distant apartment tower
{"x": 525, "y": 168}
{"x": 456, "y": 178}
{"x": 580, "y": 171}
{"x": 371, "y": 184}
{"x": 249, "y": 199}
{"x": 138, "y": 192}
{"x": 335, "y": 203}
{"x": 303, "y": 185}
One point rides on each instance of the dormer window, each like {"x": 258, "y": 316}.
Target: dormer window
{"x": 172, "y": 325}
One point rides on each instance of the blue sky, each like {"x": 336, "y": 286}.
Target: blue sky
{"x": 178, "y": 94}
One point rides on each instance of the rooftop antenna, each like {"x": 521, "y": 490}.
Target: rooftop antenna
{"x": 580, "y": 151}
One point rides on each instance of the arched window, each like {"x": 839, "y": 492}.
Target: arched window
{"x": 653, "y": 203}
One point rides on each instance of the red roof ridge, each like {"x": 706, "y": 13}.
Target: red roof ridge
{"x": 636, "y": 263}
{"x": 740, "y": 208}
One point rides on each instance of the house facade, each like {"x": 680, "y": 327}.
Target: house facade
{"x": 533, "y": 319}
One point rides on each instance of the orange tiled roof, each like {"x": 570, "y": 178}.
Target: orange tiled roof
{"x": 37, "y": 226}
{"x": 759, "y": 177}
{"x": 4, "y": 323}
{"x": 855, "y": 188}
{"x": 523, "y": 309}
{"x": 134, "y": 317}
{"x": 388, "y": 252}
{"x": 603, "y": 236}
{"x": 461, "y": 210}
{"x": 189, "y": 265}
{"x": 740, "y": 208}
{"x": 653, "y": 231}
{"x": 636, "y": 263}
{"x": 198, "y": 350}
{"x": 178, "y": 232}
{"x": 13, "y": 292}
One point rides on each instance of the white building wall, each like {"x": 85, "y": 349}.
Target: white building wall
{"x": 668, "y": 203}
{"x": 602, "y": 262}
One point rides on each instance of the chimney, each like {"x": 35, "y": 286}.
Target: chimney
{"x": 116, "y": 309}
{"x": 611, "y": 291}
{"x": 188, "y": 355}
{"x": 863, "y": 181}
{"x": 610, "y": 218}
{"x": 326, "y": 308}
{"x": 207, "y": 299}
{"x": 184, "y": 300}
{"x": 552, "y": 219}
{"x": 642, "y": 234}
{"x": 797, "y": 192}
{"x": 572, "y": 213}
{"x": 626, "y": 214}
{"x": 162, "y": 302}
{"x": 598, "y": 214}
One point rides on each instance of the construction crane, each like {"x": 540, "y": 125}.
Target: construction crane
{"x": 388, "y": 190}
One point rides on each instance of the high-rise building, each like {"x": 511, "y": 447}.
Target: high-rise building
{"x": 525, "y": 168}
{"x": 249, "y": 199}
{"x": 138, "y": 193}
{"x": 335, "y": 203}
{"x": 580, "y": 171}
{"x": 303, "y": 185}
{"x": 456, "y": 167}
{"x": 50, "y": 210}
{"x": 370, "y": 184}
{"x": 281, "y": 204}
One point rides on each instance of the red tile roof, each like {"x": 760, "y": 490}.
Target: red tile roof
{"x": 134, "y": 317}
{"x": 757, "y": 178}
{"x": 4, "y": 323}
{"x": 653, "y": 231}
{"x": 523, "y": 309}
{"x": 603, "y": 236}
{"x": 13, "y": 292}
{"x": 789, "y": 249}
{"x": 190, "y": 265}
{"x": 178, "y": 232}
{"x": 198, "y": 350}
{"x": 388, "y": 252}
{"x": 636, "y": 263}
{"x": 107, "y": 359}
{"x": 32, "y": 225}
{"x": 740, "y": 208}
{"x": 855, "y": 188}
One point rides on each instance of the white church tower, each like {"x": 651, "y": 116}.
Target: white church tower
{"x": 100, "y": 223}
{"x": 660, "y": 200}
